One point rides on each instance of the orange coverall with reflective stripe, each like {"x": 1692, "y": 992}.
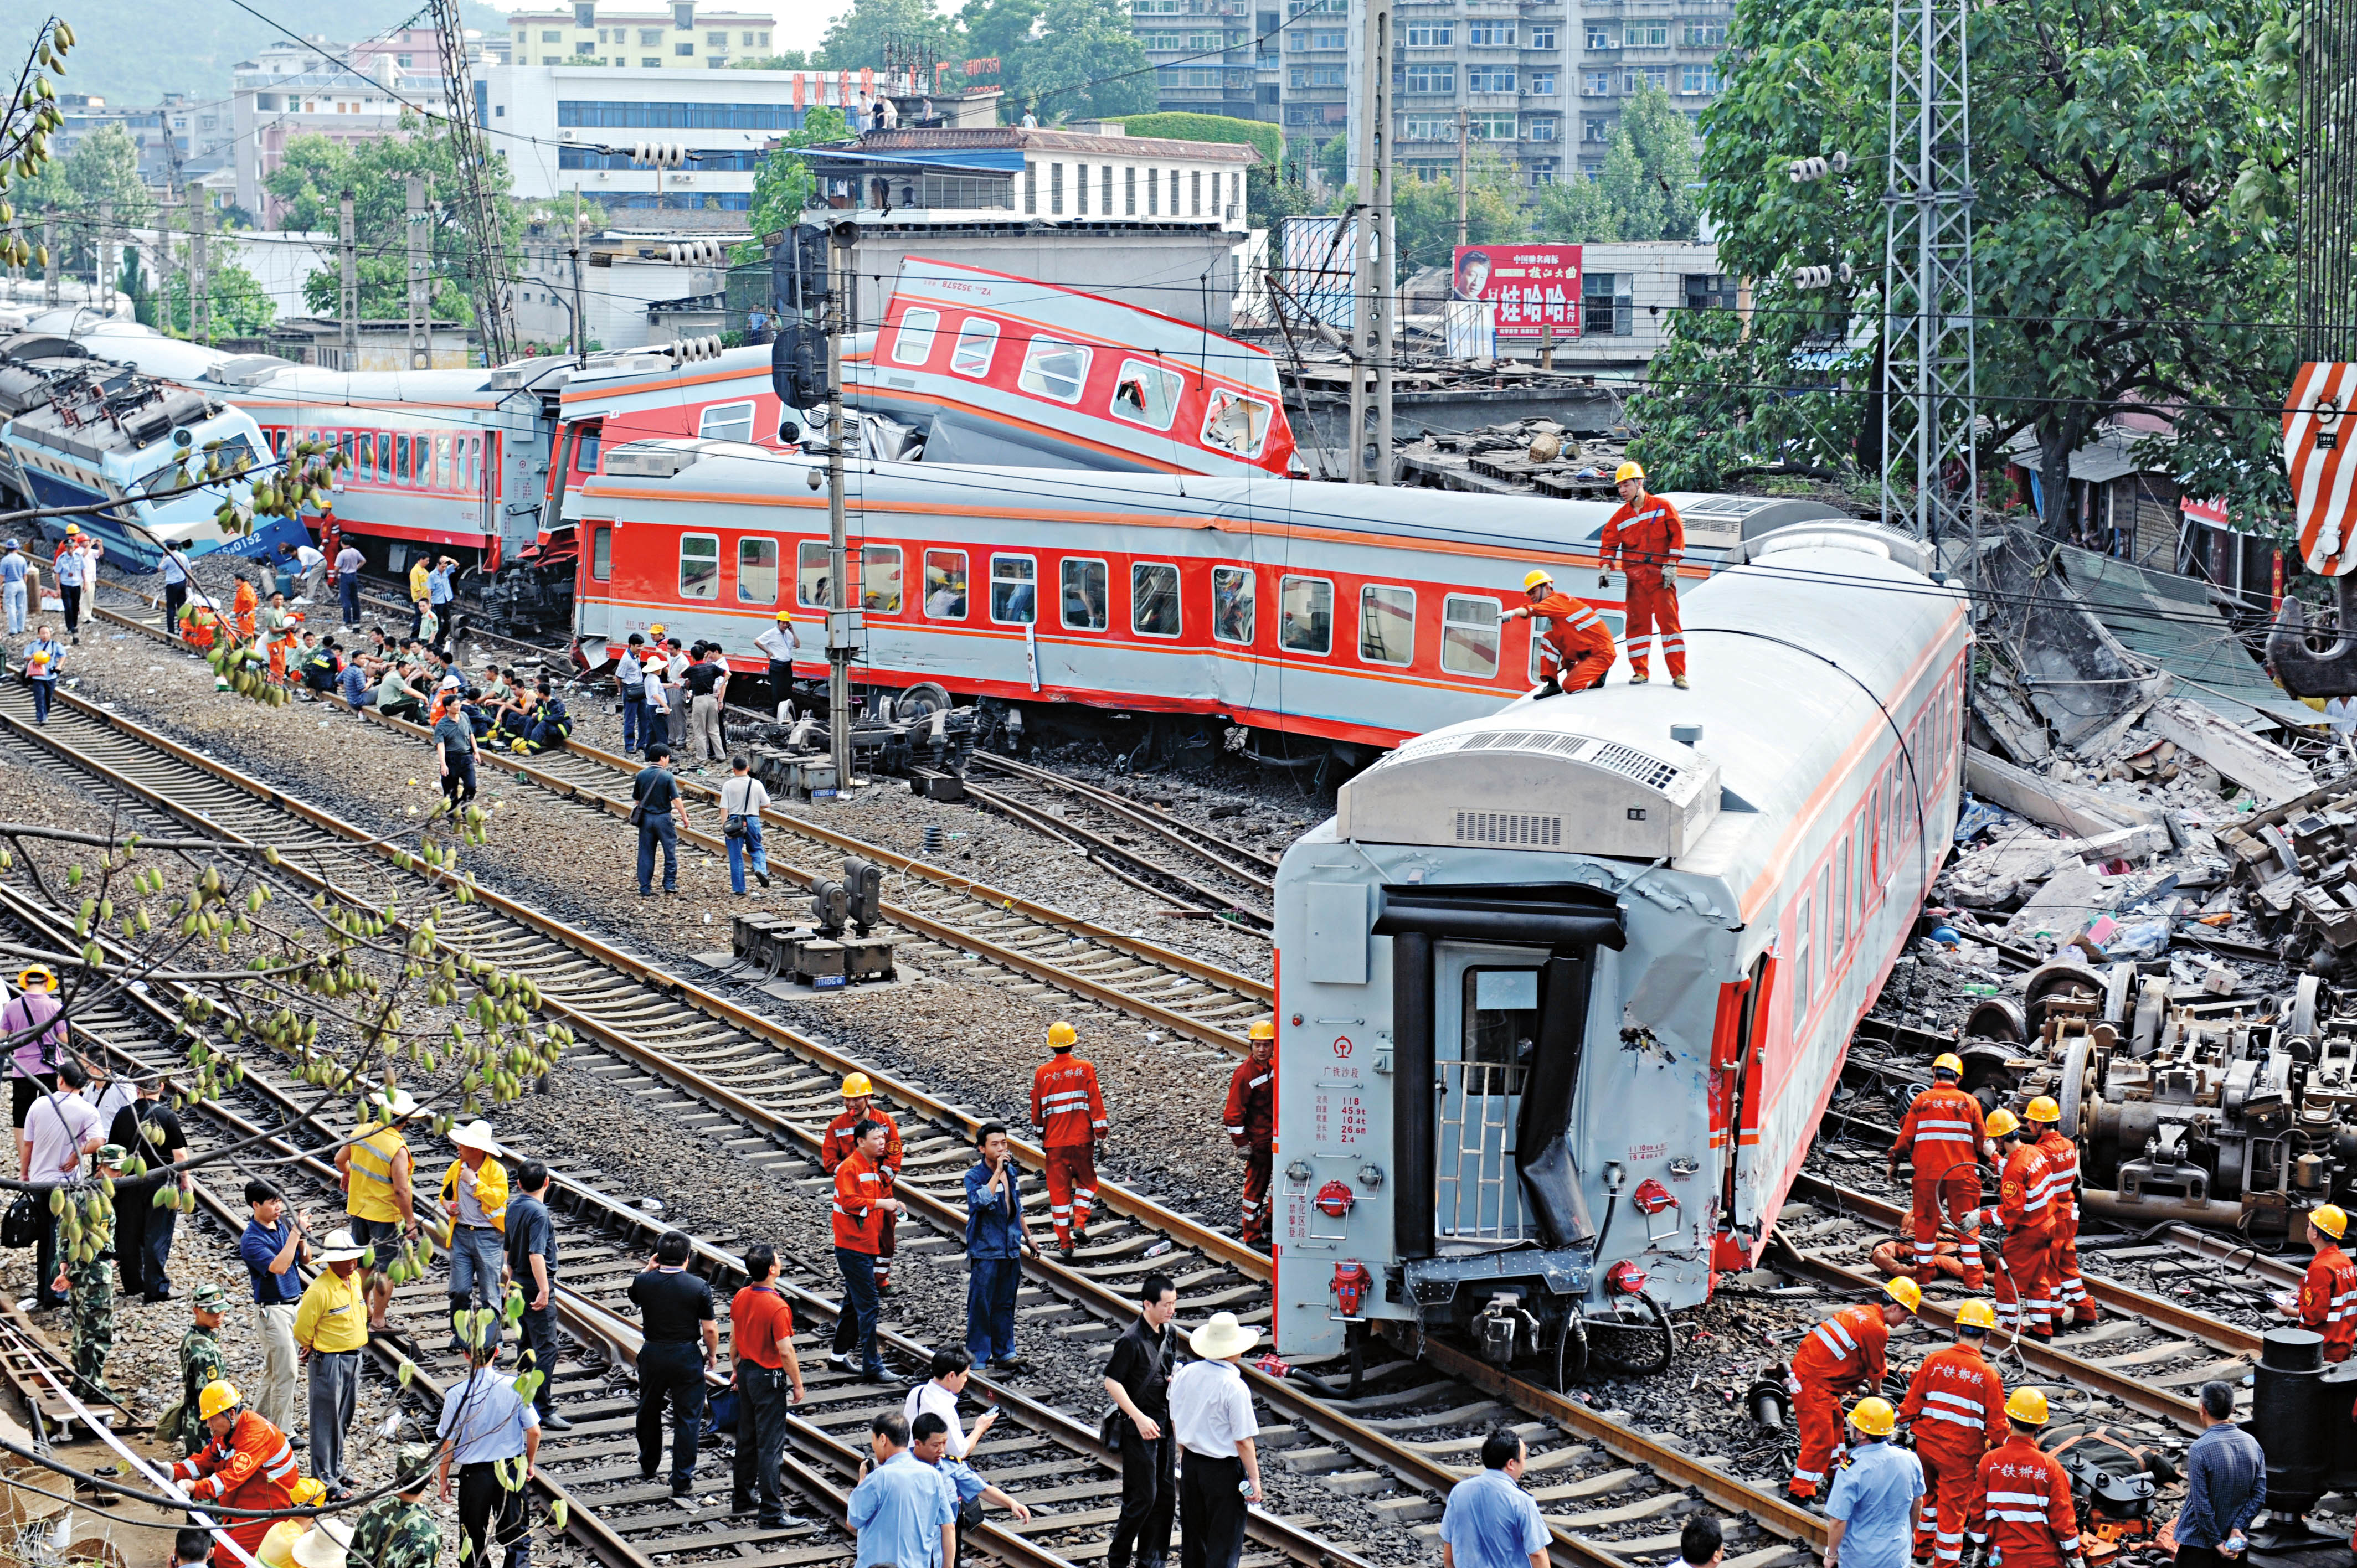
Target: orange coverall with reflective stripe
{"x": 253, "y": 1468}
{"x": 1942, "y": 1138}
{"x": 1577, "y": 638}
{"x": 2026, "y": 1514}
{"x": 1647, "y": 536}
{"x": 1956, "y": 1406}
{"x": 1843, "y": 1352}
{"x": 1069, "y": 1109}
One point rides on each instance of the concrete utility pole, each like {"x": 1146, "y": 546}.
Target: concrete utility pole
{"x": 421, "y": 282}
{"x": 1371, "y": 321}
{"x": 201, "y": 292}
{"x": 103, "y": 256}
{"x": 168, "y": 265}
{"x": 842, "y": 618}
{"x": 49, "y": 250}
{"x": 580, "y": 333}
{"x": 347, "y": 296}
{"x": 1464, "y": 176}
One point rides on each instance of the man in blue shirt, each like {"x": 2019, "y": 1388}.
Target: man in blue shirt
{"x": 359, "y": 690}
{"x": 1873, "y": 1503}
{"x": 2225, "y": 1486}
{"x": 995, "y": 1244}
{"x": 486, "y": 1424}
{"x": 900, "y": 1508}
{"x": 1491, "y": 1521}
{"x": 272, "y": 1245}
{"x": 930, "y": 1436}
{"x": 14, "y": 568}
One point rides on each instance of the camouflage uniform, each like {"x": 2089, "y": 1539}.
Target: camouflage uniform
{"x": 200, "y": 1363}
{"x": 395, "y": 1533}
{"x": 90, "y": 1287}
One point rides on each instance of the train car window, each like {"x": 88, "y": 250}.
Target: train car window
{"x": 1153, "y": 599}
{"x": 1235, "y": 422}
{"x": 1386, "y": 625}
{"x": 1231, "y": 604}
{"x": 757, "y": 571}
{"x": 601, "y": 552}
{"x": 913, "y": 344}
{"x": 1055, "y": 368}
{"x": 1086, "y": 594}
{"x": 879, "y": 574}
{"x": 584, "y": 451}
{"x": 945, "y": 584}
{"x": 384, "y": 454}
{"x": 726, "y": 422}
{"x": 1304, "y": 615}
{"x": 1502, "y": 1015}
{"x": 442, "y": 476}
{"x": 1833, "y": 939}
{"x": 1858, "y": 881}
{"x": 401, "y": 459}
{"x": 699, "y": 565}
{"x": 977, "y": 340}
{"x": 1469, "y": 636}
{"x": 1013, "y": 599}
{"x": 1146, "y": 394}
{"x": 348, "y": 454}
{"x": 1803, "y": 974}
{"x": 1839, "y": 908}
{"x": 809, "y": 573}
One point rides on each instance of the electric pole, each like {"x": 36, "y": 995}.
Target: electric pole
{"x": 842, "y": 619}
{"x": 1371, "y": 321}
{"x": 1464, "y": 176}
{"x": 102, "y": 280}
{"x": 471, "y": 148}
{"x": 580, "y": 333}
{"x": 421, "y": 283}
{"x": 168, "y": 265}
{"x": 200, "y": 294}
{"x": 1927, "y": 276}
{"x": 347, "y": 297}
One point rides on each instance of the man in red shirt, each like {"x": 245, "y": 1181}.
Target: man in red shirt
{"x": 1069, "y": 1109}
{"x": 761, "y": 1346}
{"x": 859, "y": 1105}
{"x": 1579, "y": 644}
{"x": 1847, "y": 1351}
{"x": 2024, "y": 1258}
{"x": 1646, "y": 537}
{"x": 1956, "y": 1408}
{"x": 1943, "y": 1138}
{"x": 1251, "y": 1121}
{"x": 859, "y": 1211}
{"x": 2026, "y": 1518}
{"x": 2328, "y": 1296}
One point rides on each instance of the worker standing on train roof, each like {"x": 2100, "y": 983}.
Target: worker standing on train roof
{"x": 2024, "y": 1515}
{"x": 1943, "y": 1138}
{"x": 2025, "y": 1254}
{"x": 1646, "y": 537}
{"x": 1955, "y": 1405}
{"x": 2061, "y": 1152}
{"x": 1069, "y": 1109}
{"x": 859, "y": 1105}
{"x": 1251, "y": 1121}
{"x": 2327, "y": 1301}
{"x": 1578, "y": 643}
{"x": 1839, "y": 1356}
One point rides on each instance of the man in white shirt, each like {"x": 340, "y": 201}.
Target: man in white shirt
{"x": 630, "y": 678}
{"x": 175, "y": 584}
{"x": 951, "y": 1368}
{"x": 349, "y": 561}
{"x": 1212, "y": 1416}
{"x": 60, "y": 1129}
{"x": 779, "y": 644}
{"x": 311, "y": 566}
{"x": 73, "y": 566}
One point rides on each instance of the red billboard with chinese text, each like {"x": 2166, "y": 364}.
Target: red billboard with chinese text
{"x": 1535, "y": 288}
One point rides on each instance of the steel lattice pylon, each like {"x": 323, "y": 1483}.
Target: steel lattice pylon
{"x": 2325, "y": 256}
{"x": 1927, "y": 276}
{"x": 471, "y": 149}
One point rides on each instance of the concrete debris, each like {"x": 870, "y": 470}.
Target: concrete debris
{"x": 1538, "y": 456}
{"x": 2267, "y": 770}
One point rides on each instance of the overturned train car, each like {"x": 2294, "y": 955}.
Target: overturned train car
{"x": 1564, "y": 989}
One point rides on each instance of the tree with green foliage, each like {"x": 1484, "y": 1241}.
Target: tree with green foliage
{"x": 2132, "y": 170}
{"x": 1646, "y": 191}
{"x": 793, "y": 59}
{"x": 102, "y": 168}
{"x": 1423, "y": 213}
{"x": 1071, "y": 60}
{"x": 860, "y": 36}
{"x": 783, "y": 179}
{"x": 239, "y": 307}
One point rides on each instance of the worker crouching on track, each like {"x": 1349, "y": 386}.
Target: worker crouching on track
{"x": 1956, "y": 1410}
{"x": 2328, "y": 1296}
{"x": 248, "y": 1463}
{"x": 1578, "y": 645}
{"x": 1839, "y": 1356}
{"x": 859, "y": 1105}
{"x": 1646, "y": 536}
{"x": 1942, "y": 1137}
{"x": 1251, "y": 1121}
{"x": 2045, "y": 1117}
{"x": 1068, "y": 1107}
{"x": 2026, "y": 1517}
{"x": 2025, "y": 1285}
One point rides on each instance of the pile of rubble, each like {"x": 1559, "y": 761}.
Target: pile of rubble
{"x": 1525, "y": 455}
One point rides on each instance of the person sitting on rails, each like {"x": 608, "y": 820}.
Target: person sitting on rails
{"x": 1575, "y": 649}
{"x": 320, "y": 665}
{"x": 396, "y": 698}
{"x": 2327, "y": 1301}
{"x": 1841, "y": 1355}
{"x": 357, "y": 681}
{"x": 550, "y": 723}
{"x": 484, "y": 711}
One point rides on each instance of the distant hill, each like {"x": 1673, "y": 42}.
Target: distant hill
{"x": 133, "y": 51}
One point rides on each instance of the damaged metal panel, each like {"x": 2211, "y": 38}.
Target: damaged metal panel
{"x": 2167, "y": 621}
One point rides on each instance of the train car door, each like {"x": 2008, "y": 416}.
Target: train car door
{"x": 1485, "y": 1036}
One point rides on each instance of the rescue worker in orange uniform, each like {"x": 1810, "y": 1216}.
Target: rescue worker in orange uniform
{"x": 2026, "y": 1254}
{"x": 244, "y": 606}
{"x": 1896, "y": 1256}
{"x": 1844, "y": 1353}
{"x": 1251, "y": 1121}
{"x": 1579, "y": 644}
{"x": 248, "y": 1464}
{"x": 2026, "y": 1517}
{"x": 2044, "y": 1115}
{"x": 859, "y": 1210}
{"x": 859, "y": 1105}
{"x": 1955, "y": 1408}
{"x": 2328, "y": 1296}
{"x": 1069, "y": 1109}
{"x": 1943, "y": 1138}
{"x": 1645, "y": 537}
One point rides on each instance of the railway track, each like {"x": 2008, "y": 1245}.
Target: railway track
{"x": 956, "y": 921}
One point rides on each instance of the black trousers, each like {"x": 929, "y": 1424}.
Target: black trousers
{"x": 2201, "y": 1557}
{"x": 538, "y": 1333}
{"x": 143, "y": 1244}
{"x": 175, "y": 596}
{"x": 71, "y": 594}
{"x": 1149, "y": 1495}
{"x": 669, "y": 1367}
{"x": 1210, "y": 1511}
{"x": 763, "y": 1396}
{"x": 480, "y": 1499}
{"x": 458, "y": 784}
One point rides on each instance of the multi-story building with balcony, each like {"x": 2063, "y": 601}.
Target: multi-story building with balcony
{"x": 348, "y": 93}
{"x": 682, "y": 35}
{"x": 1205, "y": 56}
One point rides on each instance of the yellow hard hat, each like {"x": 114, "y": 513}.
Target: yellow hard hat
{"x": 1874, "y": 1417}
{"x": 1062, "y": 1035}
{"x": 1976, "y": 1314}
{"x": 1536, "y": 579}
{"x": 856, "y": 1087}
{"x": 1905, "y": 1292}
{"x": 40, "y": 973}
{"x": 1265, "y": 1029}
{"x": 2329, "y": 1219}
{"x": 2027, "y": 1406}
{"x": 1948, "y": 1061}
{"x": 73, "y": 528}
{"x": 654, "y": 632}
{"x": 2002, "y": 1122}
{"x": 1628, "y": 471}
{"x": 2044, "y": 1109}
{"x": 217, "y": 1396}
{"x": 785, "y": 614}
{"x": 306, "y": 1490}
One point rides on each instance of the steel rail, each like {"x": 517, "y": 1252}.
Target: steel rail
{"x": 1261, "y": 871}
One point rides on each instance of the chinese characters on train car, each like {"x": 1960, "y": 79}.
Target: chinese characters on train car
{"x": 1535, "y": 288}
{"x": 1338, "y": 1131}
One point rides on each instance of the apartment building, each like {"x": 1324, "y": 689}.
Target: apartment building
{"x": 1213, "y": 57}
{"x": 349, "y": 94}
{"x": 576, "y": 127}
{"x": 1083, "y": 175}
{"x": 679, "y": 37}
